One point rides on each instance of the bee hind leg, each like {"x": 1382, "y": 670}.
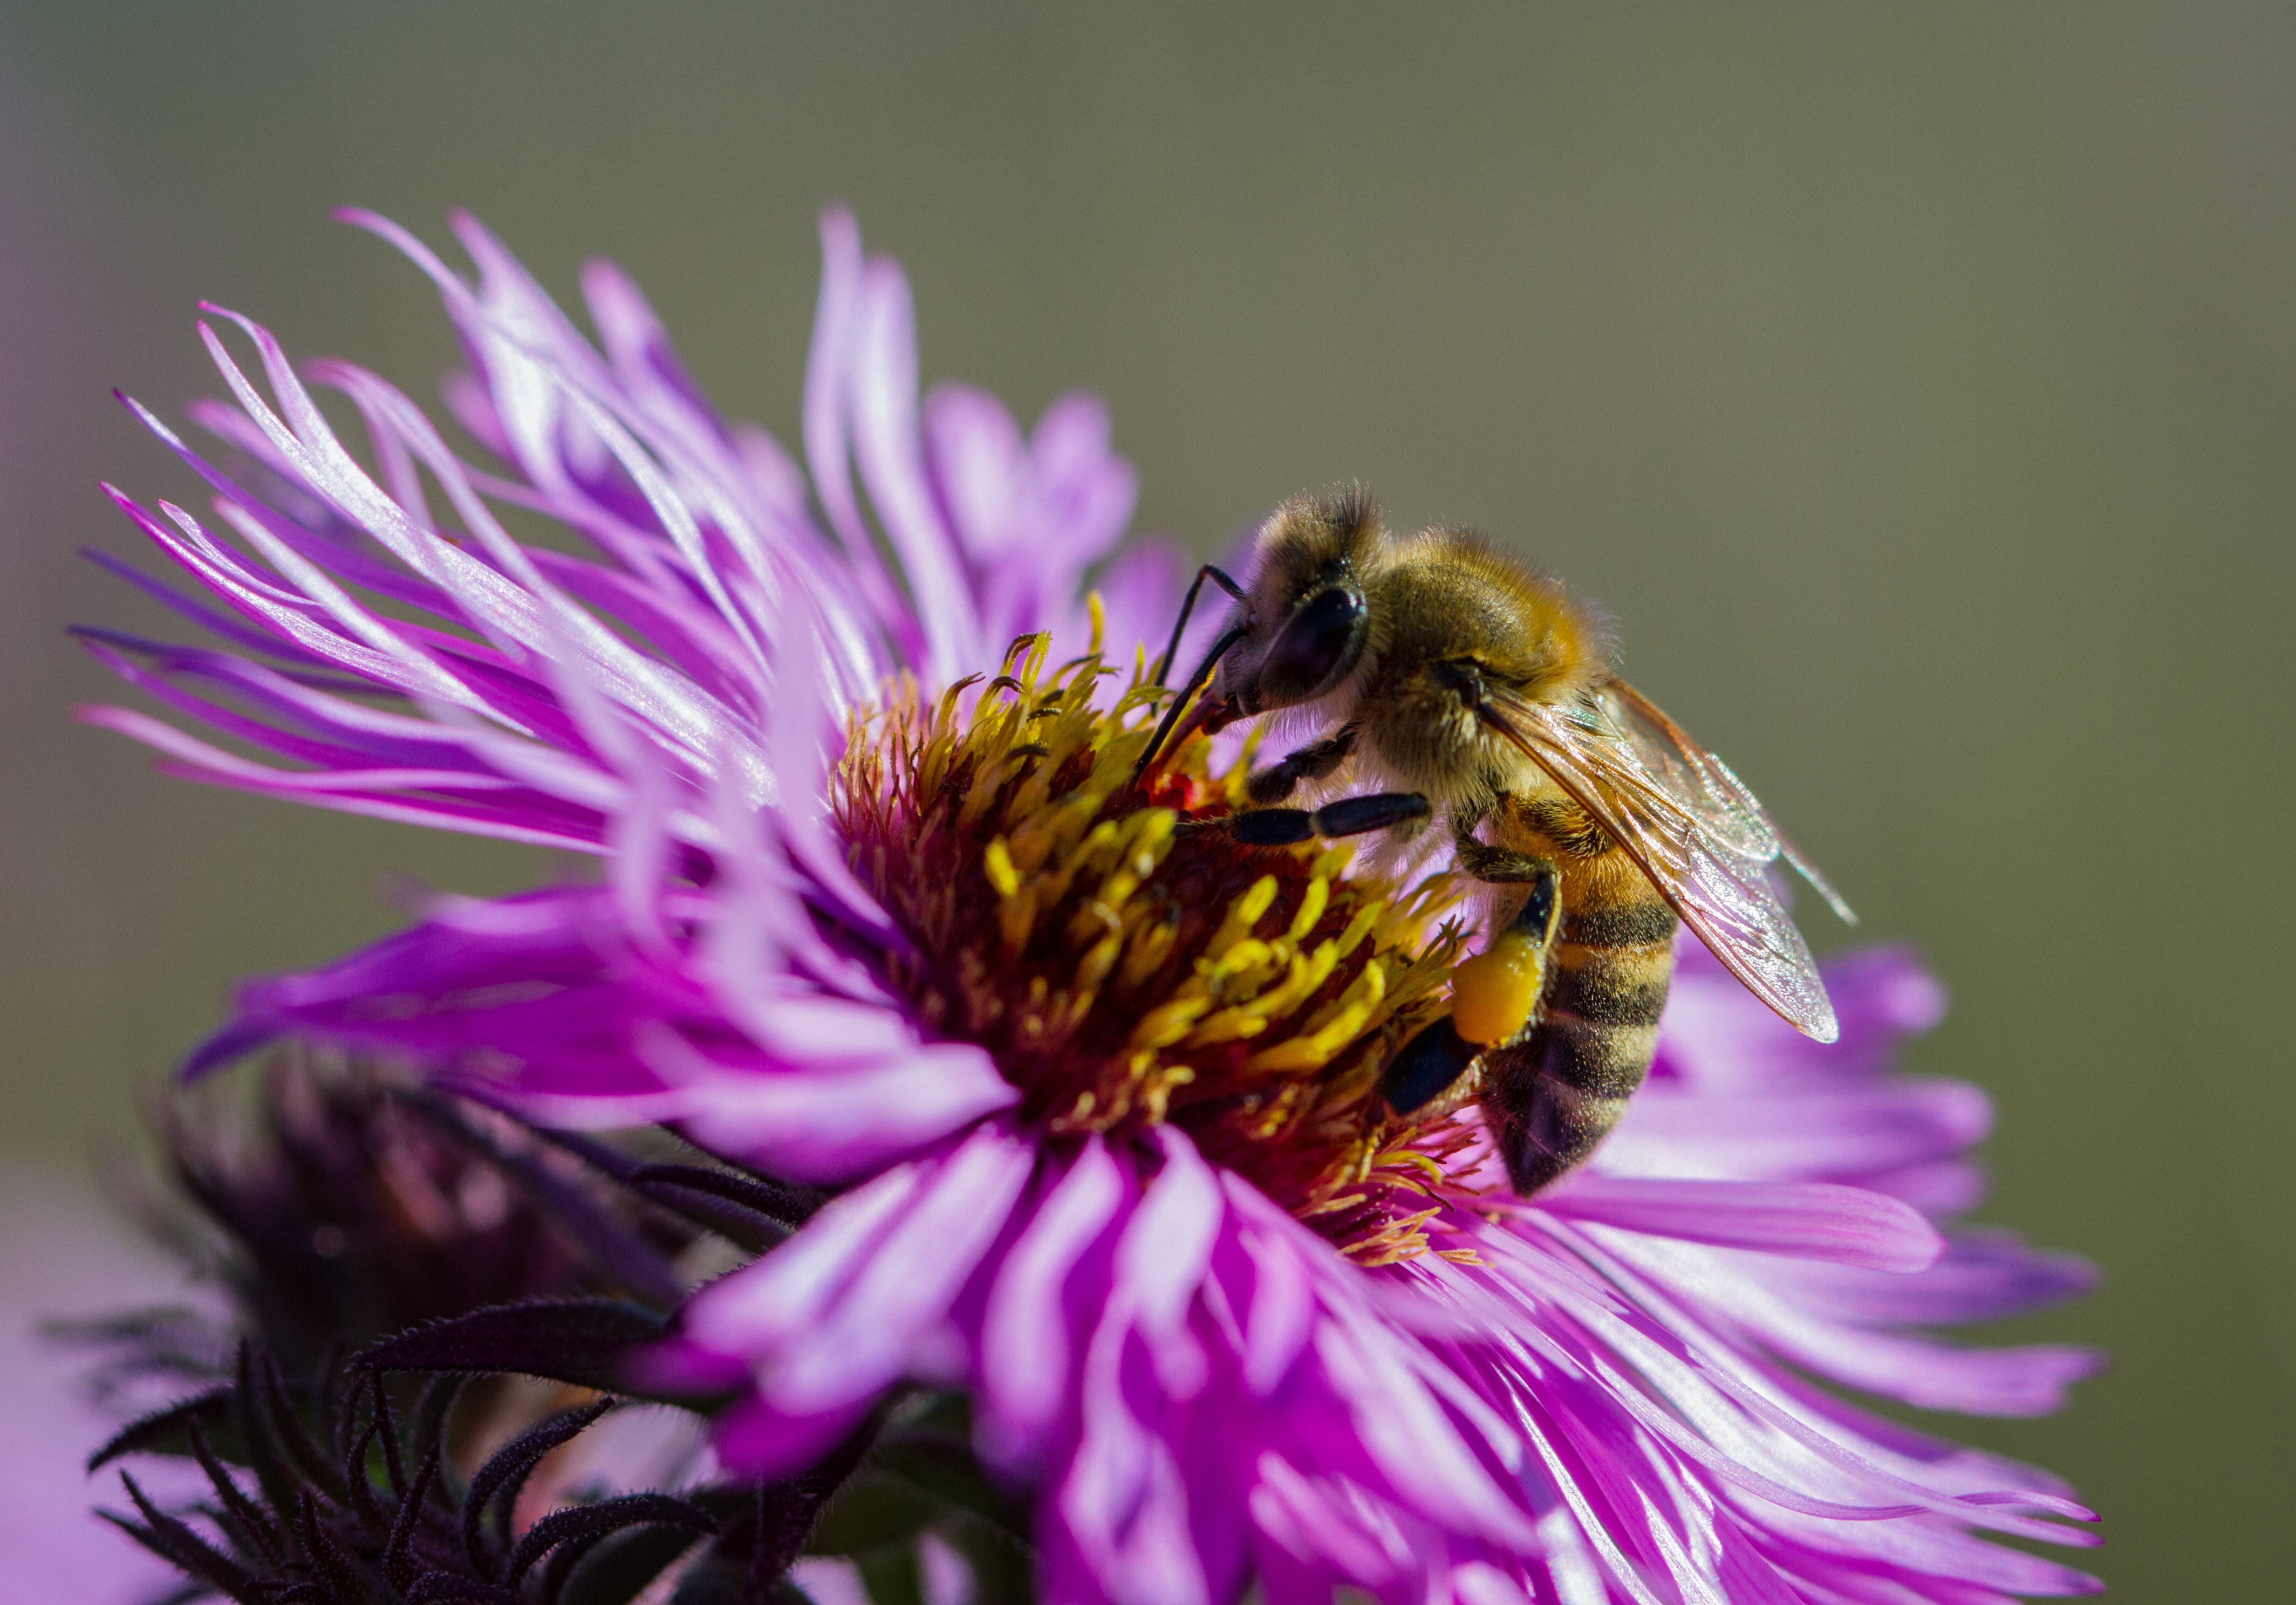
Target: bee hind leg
{"x": 1494, "y": 996}
{"x": 1565, "y": 1083}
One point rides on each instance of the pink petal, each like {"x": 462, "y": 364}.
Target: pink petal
{"x": 1806, "y": 1220}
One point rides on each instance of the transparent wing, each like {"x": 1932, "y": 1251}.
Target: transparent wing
{"x": 1722, "y": 803}
{"x": 1691, "y": 824}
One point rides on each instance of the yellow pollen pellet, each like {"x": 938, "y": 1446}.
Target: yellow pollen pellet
{"x": 1493, "y": 994}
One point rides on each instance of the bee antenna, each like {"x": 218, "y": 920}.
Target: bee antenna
{"x": 1172, "y": 649}
{"x": 1196, "y": 683}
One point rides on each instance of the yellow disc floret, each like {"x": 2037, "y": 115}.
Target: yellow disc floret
{"x": 1125, "y": 959}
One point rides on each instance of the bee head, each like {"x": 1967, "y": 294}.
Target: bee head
{"x": 1304, "y": 620}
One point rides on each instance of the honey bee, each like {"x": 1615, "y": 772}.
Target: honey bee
{"x": 1472, "y": 694}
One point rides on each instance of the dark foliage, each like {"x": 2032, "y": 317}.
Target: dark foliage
{"x": 586, "y": 1342}
{"x": 399, "y": 1260}
{"x": 359, "y": 1207}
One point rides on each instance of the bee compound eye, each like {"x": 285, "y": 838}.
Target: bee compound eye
{"x": 1315, "y": 647}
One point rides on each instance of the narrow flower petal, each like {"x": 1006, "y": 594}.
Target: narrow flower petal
{"x": 1027, "y": 1346}
{"x": 1813, "y": 1220}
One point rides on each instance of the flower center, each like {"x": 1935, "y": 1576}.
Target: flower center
{"x": 1128, "y": 961}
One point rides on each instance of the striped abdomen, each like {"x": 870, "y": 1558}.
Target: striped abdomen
{"x": 1556, "y": 1091}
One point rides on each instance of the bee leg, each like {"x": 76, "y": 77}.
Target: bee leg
{"x": 1271, "y": 827}
{"x": 1312, "y": 762}
{"x": 1349, "y": 817}
{"x": 1498, "y": 866}
{"x": 1496, "y": 993}
{"x": 1429, "y": 1064}
{"x": 1380, "y": 811}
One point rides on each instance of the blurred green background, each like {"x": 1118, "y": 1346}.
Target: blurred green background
{"x": 1916, "y": 384}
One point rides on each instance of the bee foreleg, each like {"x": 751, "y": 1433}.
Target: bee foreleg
{"x": 1349, "y": 817}
{"x": 1312, "y": 762}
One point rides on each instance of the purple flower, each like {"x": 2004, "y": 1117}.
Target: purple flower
{"x": 880, "y": 911}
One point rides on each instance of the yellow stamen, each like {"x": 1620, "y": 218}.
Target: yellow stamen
{"x": 1126, "y": 962}
{"x": 998, "y": 862}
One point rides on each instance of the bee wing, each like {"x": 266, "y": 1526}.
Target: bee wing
{"x": 1723, "y": 804}
{"x": 1691, "y": 824}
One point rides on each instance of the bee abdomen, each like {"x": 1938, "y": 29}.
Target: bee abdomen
{"x": 1553, "y": 1097}
{"x": 1604, "y": 1062}
{"x": 1610, "y": 988}
{"x": 1624, "y": 922}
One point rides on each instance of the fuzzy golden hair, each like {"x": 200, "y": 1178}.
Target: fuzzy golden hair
{"x": 1446, "y": 609}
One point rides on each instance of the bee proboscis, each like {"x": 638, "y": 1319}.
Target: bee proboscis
{"x": 1467, "y": 691}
